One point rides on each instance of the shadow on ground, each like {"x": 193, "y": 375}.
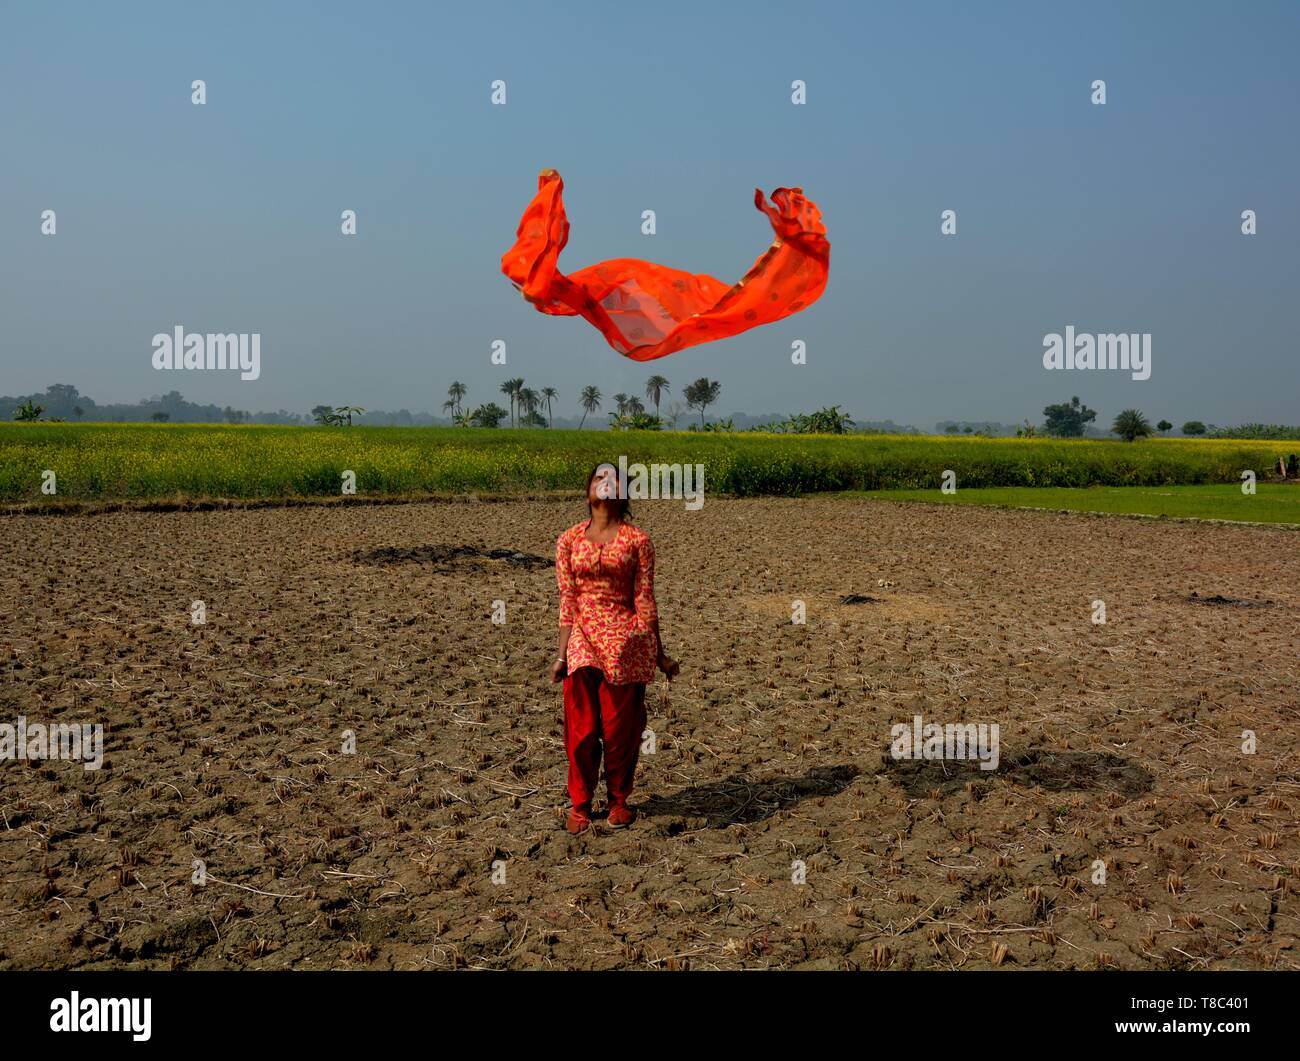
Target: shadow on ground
{"x": 1053, "y": 771}
{"x": 448, "y": 556}
{"x": 742, "y": 800}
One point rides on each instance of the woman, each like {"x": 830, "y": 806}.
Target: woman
{"x": 609, "y": 646}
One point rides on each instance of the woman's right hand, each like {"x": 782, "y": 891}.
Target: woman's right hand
{"x": 557, "y": 670}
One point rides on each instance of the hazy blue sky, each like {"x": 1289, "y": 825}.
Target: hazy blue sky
{"x": 225, "y": 217}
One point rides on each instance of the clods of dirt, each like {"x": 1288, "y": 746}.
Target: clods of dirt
{"x": 368, "y": 764}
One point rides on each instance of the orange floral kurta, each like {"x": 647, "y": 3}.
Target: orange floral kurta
{"x": 607, "y": 594}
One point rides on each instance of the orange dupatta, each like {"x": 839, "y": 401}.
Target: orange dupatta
{"x": 647, "y": 311}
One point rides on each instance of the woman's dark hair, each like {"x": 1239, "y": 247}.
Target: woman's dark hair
{"x": 625, "y": 509}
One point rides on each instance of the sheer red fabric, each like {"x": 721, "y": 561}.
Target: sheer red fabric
{"x": 647, "y": 311}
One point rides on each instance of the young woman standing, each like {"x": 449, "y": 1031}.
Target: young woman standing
{"x": 609, "y": 647}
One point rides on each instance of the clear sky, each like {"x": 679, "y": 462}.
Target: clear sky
{"x": 226, "y": 217}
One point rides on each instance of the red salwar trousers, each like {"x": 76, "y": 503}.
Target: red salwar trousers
{"x": 597, "y": 713}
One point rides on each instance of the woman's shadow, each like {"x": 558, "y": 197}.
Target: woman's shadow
{"x": 738, "y": 800}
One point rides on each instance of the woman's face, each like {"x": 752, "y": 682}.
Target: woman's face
{"x": 604, "y": 485}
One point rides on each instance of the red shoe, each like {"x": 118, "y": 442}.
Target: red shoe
{"x": 579, "y": 819}
{"x": 621, "y": 816}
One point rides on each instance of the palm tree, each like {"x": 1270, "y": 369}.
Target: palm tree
{"x": 701, "y": 394}
{"x": 529, "y": 400}
{"x": 512, "y": 387}
{"x": 519, "y": 390}
{"x": 634, "y": 406}
{"x": 345, "y": 412}
{"x": 655, "y": 388}
{"x": 456, "y": 392}
{"x": 621, "y": 400}
{"x": 508, "y": 389}
{"x": 1130, "y": 425}
{"x": 590, "y": 402}
{"x": 549, "y": 394}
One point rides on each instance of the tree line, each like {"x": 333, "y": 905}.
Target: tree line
{"x": 535, "y": 407}
{"x": 526, "y": 404}
{"x": 1070, "y": 419}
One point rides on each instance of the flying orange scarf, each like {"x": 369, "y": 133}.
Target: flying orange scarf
{"x": 647, "y": 311}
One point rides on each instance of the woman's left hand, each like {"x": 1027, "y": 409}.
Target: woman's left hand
{"x": 669, "y": 666}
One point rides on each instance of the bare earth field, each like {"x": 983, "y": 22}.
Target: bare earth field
{"x": 440, "y": 842}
